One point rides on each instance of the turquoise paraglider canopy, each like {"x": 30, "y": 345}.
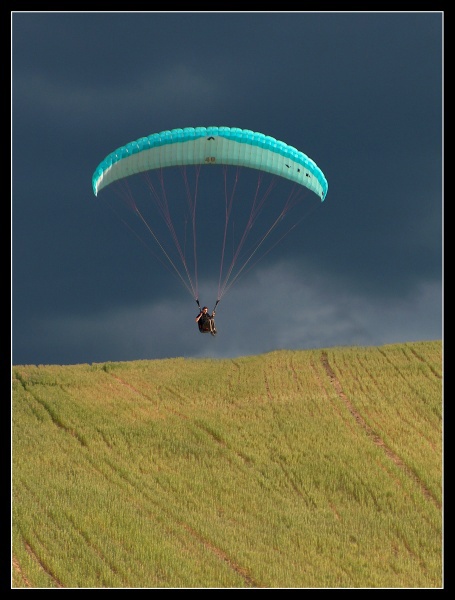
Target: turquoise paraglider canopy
{"x": 239, "y": 236}
{"x": 210, "y": 145}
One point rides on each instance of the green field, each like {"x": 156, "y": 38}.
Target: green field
{"x": 292, "y": 469}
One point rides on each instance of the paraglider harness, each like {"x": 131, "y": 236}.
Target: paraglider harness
{"x": 206, "y": 323}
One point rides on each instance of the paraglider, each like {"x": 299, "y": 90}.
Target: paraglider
{"x": 195, "y": 149}
{"x": 206, "y": 322}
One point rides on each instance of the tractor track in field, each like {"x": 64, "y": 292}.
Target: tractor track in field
{"x": 371, "y": 434}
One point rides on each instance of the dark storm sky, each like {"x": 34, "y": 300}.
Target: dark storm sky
{"x": 360, "y": 93}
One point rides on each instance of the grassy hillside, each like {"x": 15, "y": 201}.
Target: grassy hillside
{"x": 292, "y": 469}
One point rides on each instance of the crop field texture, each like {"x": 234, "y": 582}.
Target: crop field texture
{"x": 291, "y": 469}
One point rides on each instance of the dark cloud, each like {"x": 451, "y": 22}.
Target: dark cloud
{"x": 360, "y": 93}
